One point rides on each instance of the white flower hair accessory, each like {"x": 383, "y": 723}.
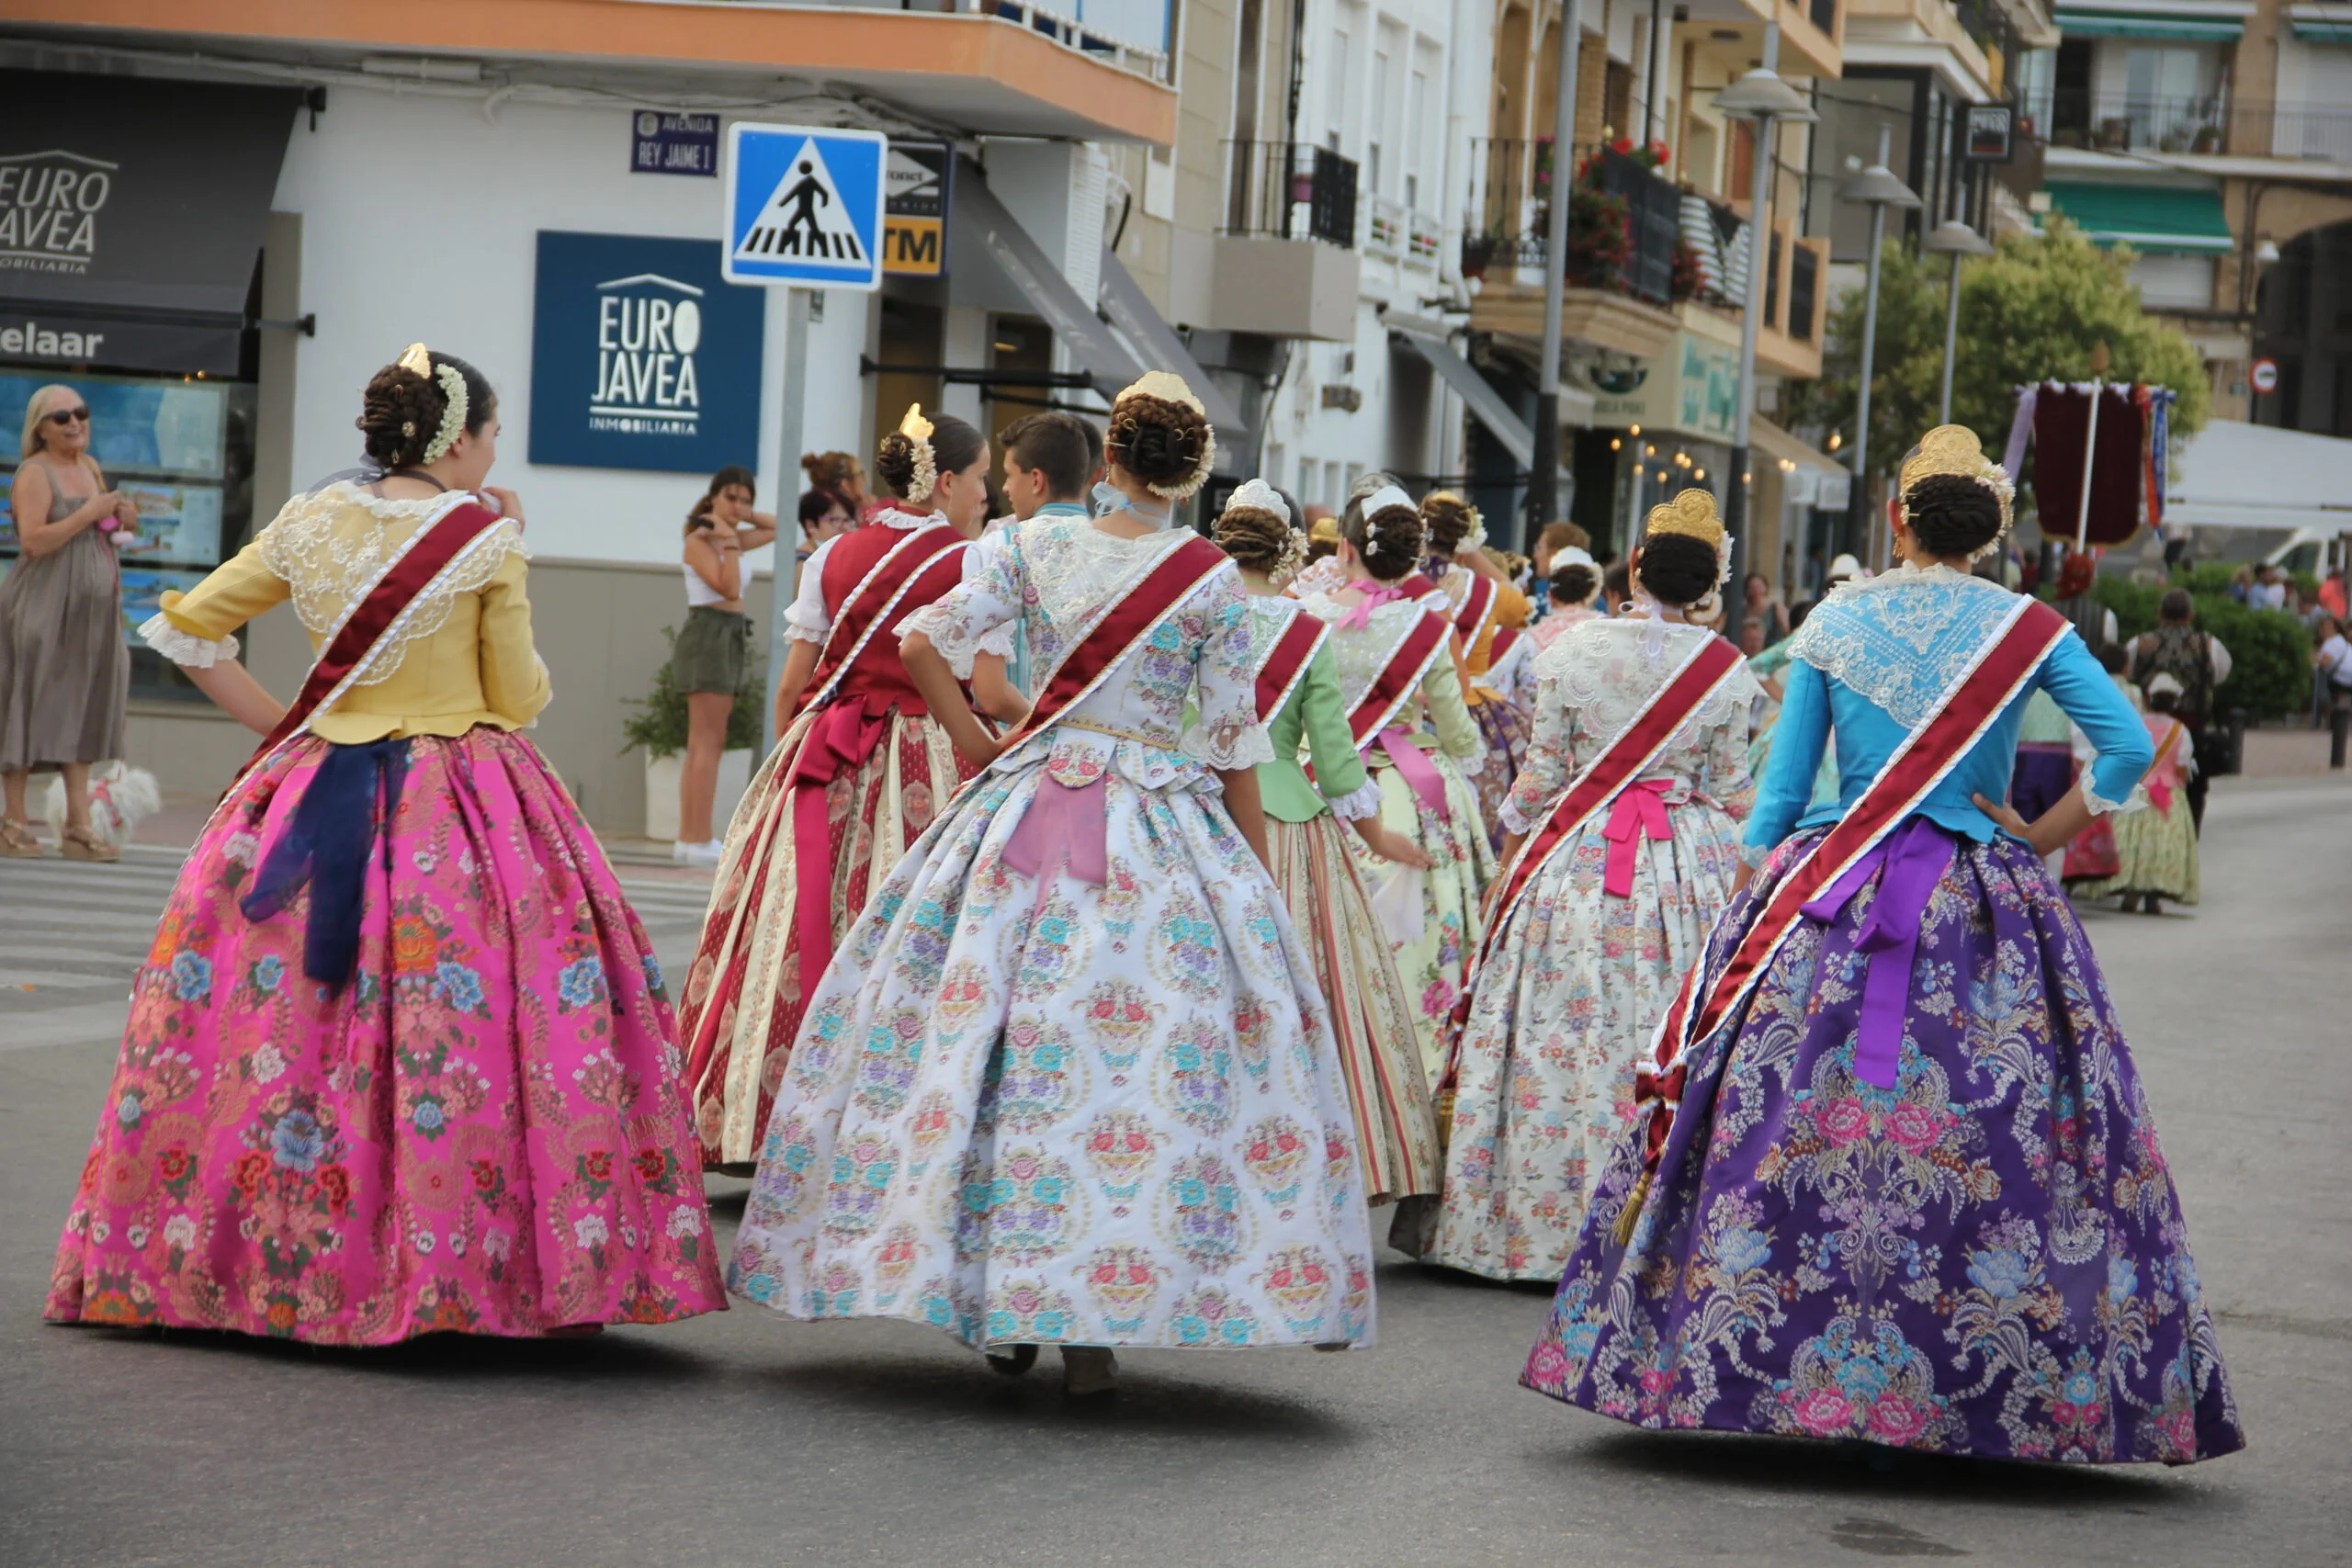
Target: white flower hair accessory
{"x": 1574, "y": 555}
{"x": 917, "y": 430}
{"x": 1257, "y": 495}
{"x": 454, "y": 408}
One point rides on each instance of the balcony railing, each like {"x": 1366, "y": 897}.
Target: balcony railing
{"x": 2115, "y": 122}
{"x": 1289, "y": 190}
{"x": 1509, "y": 222}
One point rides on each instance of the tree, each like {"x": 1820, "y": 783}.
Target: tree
{"x": 2033, "y": 311}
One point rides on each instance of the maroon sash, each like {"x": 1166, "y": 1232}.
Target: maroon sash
{"x": 1506, "y": 639}
{"x": 1477, "y": 609}
{"x": 1286, "y": 666}
{"x": 428, "y": 552}
{"x": 1419, "y": 586}
{"x": 922, "y": 559}
{"x": 1999, "y": 672}
{"x": 1400, "y": 677}
{"x": 841, "y": 737}
{"x": 1128, "y": 620}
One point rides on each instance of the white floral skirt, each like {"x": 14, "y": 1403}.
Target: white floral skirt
{"x": 1432, "y": 962}
{"x": 1107, "y": 1115}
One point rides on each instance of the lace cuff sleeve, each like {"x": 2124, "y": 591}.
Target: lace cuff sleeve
{"x": 186, "y": 649}
{"x": 1517, "y": 818}
{"x": 951, "y": 634}
{"x": 1358, "y": 804}
{"x": 2102, "y": 806}
{"x": 1230, "y": 743}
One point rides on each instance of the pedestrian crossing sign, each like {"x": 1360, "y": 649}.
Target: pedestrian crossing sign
{"x": 804, "y": 206}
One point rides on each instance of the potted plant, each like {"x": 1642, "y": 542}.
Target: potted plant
{"x": 658, "y": 728}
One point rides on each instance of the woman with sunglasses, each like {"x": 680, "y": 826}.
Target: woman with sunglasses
{"x": 65, "y": 671}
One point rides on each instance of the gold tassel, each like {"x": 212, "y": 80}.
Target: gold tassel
{"x": 1631, "y": 1214}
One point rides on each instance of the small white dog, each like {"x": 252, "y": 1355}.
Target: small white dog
{"x": 120, "y": 798}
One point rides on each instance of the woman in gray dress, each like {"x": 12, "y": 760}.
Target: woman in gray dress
{"x": 65, "y": 671}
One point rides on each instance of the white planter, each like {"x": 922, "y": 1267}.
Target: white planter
{"x": 661, "y": 792}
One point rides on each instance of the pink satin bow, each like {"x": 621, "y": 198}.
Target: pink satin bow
{"x": 1063, "y": 830}
{"x": 1374, "y": 595}
{"x": 1639, "y": 812}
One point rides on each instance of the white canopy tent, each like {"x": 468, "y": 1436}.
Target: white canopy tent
{"x": 2235, "y": 475}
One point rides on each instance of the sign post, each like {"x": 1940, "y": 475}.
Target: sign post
{"x": 803, "y": 205}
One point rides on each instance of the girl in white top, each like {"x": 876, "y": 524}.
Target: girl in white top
{"x": 713, "y": 649}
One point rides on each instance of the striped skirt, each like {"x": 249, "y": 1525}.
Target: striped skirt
{"x": 1371, "y": 1016}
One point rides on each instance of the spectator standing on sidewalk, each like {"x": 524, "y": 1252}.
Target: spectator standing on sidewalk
{"x": 2199, "y": 661}
{"x": 2331, "y": 669}
{"x": 65, "y": 671}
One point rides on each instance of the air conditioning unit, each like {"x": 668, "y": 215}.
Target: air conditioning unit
{"x": 1346, "y": 398}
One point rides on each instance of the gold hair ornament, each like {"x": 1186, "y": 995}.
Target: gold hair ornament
{"x": 1954, "y": 449}
{"x": 917, "y": 431}
{"x": 1692, "y": 515}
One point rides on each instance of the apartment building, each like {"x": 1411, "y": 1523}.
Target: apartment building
{"x": 2214, "y": 138}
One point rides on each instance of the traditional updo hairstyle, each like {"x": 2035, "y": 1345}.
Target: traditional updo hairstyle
{"x": 1682, "y": 560}
{"x": 1160, "y": 441}
{"x": 1447, "y": 520}
{"x": 955, "y": 447}
{"x": 1676, "y": 568}
{"x": 1394, "y": 533}
{"x": 1951, "y": 514}
{"x": 401, "y": 412}
{"x": 1258, "y": 538}
{"x": 1575, "y": 584}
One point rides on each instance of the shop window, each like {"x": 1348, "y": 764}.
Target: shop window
{"x": 181, "y": 447}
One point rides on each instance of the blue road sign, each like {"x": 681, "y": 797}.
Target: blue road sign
{"x": 804, "y": 206}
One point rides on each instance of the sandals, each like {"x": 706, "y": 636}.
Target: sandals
{"x": 87, "y": 843}
{"x": 16, "y": 840}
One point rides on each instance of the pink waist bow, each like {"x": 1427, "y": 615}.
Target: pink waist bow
{"x": 1639, "y": 812}
{"x": 1064, "y": 830}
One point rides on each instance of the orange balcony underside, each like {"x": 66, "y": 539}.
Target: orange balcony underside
{"x": 980, "y": 74}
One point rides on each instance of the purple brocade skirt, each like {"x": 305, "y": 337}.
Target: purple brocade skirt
{"x": 1988, "y": 1260}
{"x": 1504, "y": 726}
{"x": 2040, "y": 778}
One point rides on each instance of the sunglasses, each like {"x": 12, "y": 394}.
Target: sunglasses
{"x": 70, "y": 416}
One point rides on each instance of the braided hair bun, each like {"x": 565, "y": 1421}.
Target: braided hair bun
{"x": 1259, "y": 541}
{"x": 401, "y": 411}
{"x": 1951, "y": 514}
{"x": 1395, "y": 534}
{"x": 1448, "y": 520}
{"x": 1677, "y": 568}
{"x": 1159, "y": 441}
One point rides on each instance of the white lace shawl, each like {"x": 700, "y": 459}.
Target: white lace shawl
{"x": 331, "y": 545}
{"x": 1899, "y": 640}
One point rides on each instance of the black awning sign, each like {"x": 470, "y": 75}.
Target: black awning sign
{"x": 149, "y": 193}
{"x": 1989, "y": 133}
{"x": 50, "y": 206}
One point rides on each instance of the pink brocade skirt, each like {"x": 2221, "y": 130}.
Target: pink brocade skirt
{"x": 480, "y": 1130}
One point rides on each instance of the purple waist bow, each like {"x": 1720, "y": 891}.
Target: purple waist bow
{"x": 1909, "y": 863}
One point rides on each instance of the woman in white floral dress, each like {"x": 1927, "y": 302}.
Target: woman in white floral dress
{"x": 1069, "y": 1081}
{"x": 1590, "y": 952}
{"x": 1403, "y": 692}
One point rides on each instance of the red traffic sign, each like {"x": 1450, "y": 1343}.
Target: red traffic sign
{"x": 2263, "y": 375}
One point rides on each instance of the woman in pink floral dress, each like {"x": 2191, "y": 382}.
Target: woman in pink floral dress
{"x": 399, "y": 1059}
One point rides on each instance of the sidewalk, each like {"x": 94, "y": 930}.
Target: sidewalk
{"x": 2286, "y": 753}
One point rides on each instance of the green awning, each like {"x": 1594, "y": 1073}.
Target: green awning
{"x": 2324, "y": 32}
{"x": 2162, "y": 220}
{"x": 2125, "y": 24}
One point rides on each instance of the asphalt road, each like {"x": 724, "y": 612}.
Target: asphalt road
{"x": 742, "y": 1439}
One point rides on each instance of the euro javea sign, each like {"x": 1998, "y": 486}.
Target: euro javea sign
{"x": 643, "y": 356}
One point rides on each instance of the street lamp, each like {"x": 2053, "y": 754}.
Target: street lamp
{"x": 1953, "y": 238}
{"x": 1763, "y": 97}
{"x": 1544, "y": 483}
{"x": 1877, "y": 188}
